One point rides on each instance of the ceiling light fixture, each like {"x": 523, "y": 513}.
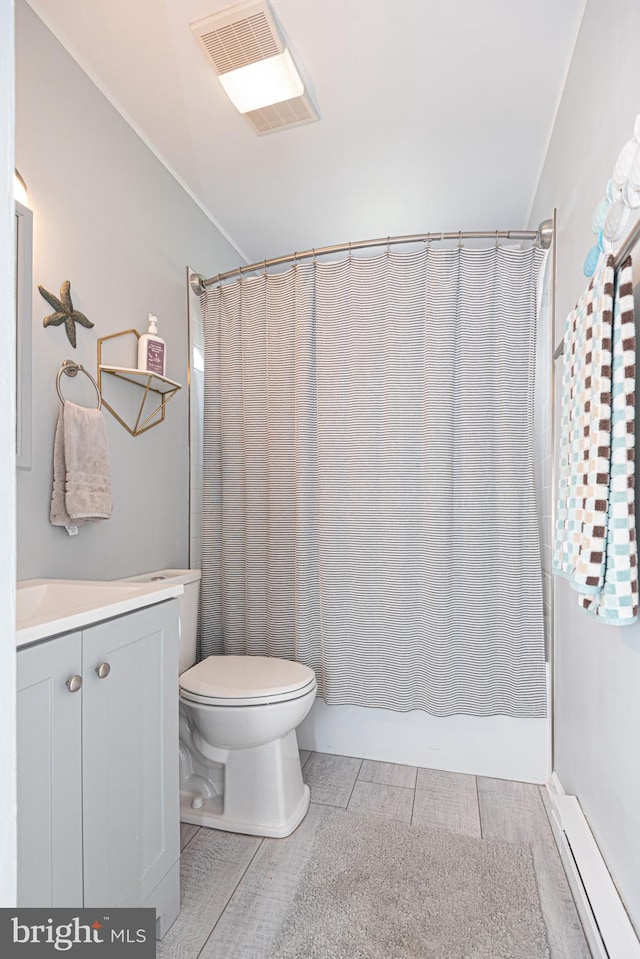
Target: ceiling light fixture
{"x": 263, "y": 83}
{"x": 246, "y": 48}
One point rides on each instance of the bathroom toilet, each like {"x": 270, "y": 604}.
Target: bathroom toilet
{"x": 239, "y": 761}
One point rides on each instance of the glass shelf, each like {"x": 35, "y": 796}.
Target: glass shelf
{"x": 155, "y": 382}
{"x": 165, "y": 388}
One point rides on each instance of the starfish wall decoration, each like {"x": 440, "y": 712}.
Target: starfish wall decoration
{"x": 64, "y": 312}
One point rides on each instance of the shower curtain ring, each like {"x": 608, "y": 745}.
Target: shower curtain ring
{"x": 497, "y": 239}
{"x": 459, "y": 239}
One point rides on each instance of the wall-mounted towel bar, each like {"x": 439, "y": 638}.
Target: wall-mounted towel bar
{"x": 71, "y": 368}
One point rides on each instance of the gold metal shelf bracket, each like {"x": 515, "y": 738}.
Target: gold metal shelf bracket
{"x": 148, "y": 382}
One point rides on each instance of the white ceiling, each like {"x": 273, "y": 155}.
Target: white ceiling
{"x": 434, "y": 114}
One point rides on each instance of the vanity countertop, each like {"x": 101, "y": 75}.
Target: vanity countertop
{"x": 47, "y": 607}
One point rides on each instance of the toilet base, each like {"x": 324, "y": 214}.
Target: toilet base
{"x": 212, "y": 816}
{"x": 257, "y": 790}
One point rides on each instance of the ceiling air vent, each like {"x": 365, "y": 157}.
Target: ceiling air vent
{"x": 288, "y": 113}
{"x": 244, "y": 35}
{"x": 239, "y": 36}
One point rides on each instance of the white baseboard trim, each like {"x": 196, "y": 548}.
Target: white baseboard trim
{"x": 607, "y": 926}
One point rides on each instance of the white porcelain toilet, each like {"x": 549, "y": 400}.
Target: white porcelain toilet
{"x": 239, "y": 761}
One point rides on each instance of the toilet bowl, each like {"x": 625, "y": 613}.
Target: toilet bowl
{"x": 239, "y": 761}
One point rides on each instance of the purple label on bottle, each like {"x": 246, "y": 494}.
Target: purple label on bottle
{"x": 155, "y": 357}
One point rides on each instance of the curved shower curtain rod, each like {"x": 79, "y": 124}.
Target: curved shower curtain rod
{"x": 542, "y": 237}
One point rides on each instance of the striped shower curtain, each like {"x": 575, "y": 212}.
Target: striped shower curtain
{"x": 369, "y": 504}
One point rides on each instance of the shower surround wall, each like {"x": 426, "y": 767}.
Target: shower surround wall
{"x": 110, "y": 218}
{"x": 597, "y": 667}
{"x": 543, "y": 438}
{"x": 196, "y": 418}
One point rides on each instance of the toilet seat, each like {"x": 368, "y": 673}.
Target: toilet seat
{"x": 245, "y": 681}
{"x": 248, "y": 700}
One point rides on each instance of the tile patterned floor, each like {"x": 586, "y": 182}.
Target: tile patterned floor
{"x": 236, "y": 889}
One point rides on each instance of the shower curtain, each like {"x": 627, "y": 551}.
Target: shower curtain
{"x": 369, "y": 504}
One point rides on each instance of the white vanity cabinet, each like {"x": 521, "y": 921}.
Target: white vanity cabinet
{"x": 98, "y": 793}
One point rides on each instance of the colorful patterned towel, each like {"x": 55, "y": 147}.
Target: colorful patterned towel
{"x": 595, "y": 544}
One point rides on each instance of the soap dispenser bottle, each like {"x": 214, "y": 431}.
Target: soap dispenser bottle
{"x": 151, "y": 349}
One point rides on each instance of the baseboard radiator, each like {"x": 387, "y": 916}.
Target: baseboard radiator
{"x": 607, "y": 926}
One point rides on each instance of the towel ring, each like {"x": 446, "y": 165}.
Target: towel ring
{"x": 71, "y": 369}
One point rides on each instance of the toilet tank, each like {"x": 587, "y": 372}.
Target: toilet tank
{"x": 188, "y": 606}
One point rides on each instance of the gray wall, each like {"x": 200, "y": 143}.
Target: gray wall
{"x": 110, "y": 218}
{"x": 597, "y": 667}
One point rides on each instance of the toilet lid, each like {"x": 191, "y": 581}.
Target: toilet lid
{"x": 245, "y": 677}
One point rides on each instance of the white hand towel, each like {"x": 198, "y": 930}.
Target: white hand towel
{"x": 81, "y": 468}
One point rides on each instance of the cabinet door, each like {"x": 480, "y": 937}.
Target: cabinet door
{"x": 130, "y": 755}
{"x": 49, "y": 774}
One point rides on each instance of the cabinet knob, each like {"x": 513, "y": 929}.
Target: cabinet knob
{"x": 103, "y": 670}
{"x": 74, "y": 683}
